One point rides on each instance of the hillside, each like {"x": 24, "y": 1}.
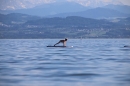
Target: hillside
{"x": 71, "y": 21}
{"x": 16, "y": 18}
{"x": 56, "y": 27}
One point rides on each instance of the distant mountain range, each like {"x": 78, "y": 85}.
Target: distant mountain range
{"x": 19, "y": 4}
{"x": 95, "y": 13}
{"x": 49, "y": 9}
{"x": 26, "y": 4}
{"x": 120, "y": 8}
{"x": 74, "y": 9}
{"x": 59, "y": 20}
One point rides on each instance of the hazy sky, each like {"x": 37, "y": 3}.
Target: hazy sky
{"x": 16, "y": 4}
{"x": 126, "y": 2}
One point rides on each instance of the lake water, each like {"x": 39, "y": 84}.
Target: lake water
{"x": 90, "y": 62}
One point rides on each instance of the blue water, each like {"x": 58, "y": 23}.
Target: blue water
{"x": 90, "y": 62}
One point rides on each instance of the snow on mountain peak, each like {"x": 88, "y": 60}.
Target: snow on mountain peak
{"x": 24, "y": 4}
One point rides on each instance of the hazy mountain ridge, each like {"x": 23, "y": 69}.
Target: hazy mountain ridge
{"x": 95, "y": 13}
{"x": 120, "y": 8}
{"x": 74, "y": 9}
{"x": 25, "y": 4}
{"x": 19, "y": 4}
{"x": 49, "y": 9}
{"x": 70, "y": 20}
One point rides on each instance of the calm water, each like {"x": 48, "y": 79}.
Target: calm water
{"x": 91, "y": 62}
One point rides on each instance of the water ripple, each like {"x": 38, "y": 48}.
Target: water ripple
{"x": 92, "y": 62}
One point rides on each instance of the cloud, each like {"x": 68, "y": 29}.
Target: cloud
{"x": 19, "y": 4}
{"x": 96, "y": 3}
{"x": 126, "y": 2}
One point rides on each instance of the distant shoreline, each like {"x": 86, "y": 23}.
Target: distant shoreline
{"x": 63, "y": 38}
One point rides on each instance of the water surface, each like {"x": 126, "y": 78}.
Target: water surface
{"x": 90, "y": 62}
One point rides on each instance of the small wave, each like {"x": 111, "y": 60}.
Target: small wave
{"x": 83, "y": 74}
{"x": 113, "y": 59}
{"x": 1, "y": 55}
{"x": 125, "y": 49}
{"x": 127, "y": 46}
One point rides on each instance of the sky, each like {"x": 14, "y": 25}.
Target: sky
{"x": 87, "y": 2}
{"x": 18, "y": 4}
